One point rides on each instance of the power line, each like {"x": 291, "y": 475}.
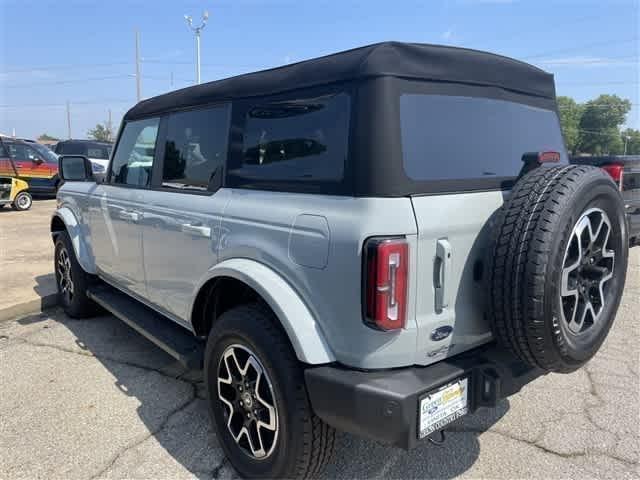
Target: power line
{"x": 65, "y": 82}
{"x": 63, "y": 67}
{"x": 130, "y": 101}
{"x": 580, "y": 47}
{"x": 622, "y": 82}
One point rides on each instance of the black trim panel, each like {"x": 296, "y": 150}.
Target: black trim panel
{"x": 383, "y": 405}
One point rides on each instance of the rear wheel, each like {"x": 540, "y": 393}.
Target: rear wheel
{"x": 72, "y": 281}
{"x": 23, "y": 201}
{"x": 258, "y": 400}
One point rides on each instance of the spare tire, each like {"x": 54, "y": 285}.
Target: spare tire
{"x": 556, "y": 266}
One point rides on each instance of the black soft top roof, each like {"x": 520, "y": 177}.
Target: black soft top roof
{"x": 395, "y": 59}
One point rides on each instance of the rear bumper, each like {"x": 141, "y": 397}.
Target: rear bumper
{"x": 383, "y": 405}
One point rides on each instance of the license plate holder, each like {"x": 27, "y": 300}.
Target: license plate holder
{"x": 441, "y": 406}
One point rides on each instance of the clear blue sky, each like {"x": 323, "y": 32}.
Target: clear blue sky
{"x": 52, "y": 51}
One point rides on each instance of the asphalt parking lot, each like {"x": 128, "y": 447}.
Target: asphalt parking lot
{"x": 26, "y": 259}
{"x": 92, "y": 399}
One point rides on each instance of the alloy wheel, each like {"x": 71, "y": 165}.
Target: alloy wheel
{"x": 587, "y": 267}
{"x": 245, "y": 389}
{"x": 65, "y": 280}
{"x": 23, "y": 201}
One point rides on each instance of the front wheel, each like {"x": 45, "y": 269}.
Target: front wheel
{"x": 72, "y": 281}
{"x": 258, "y": 399}
{"x": 23, "y": 201}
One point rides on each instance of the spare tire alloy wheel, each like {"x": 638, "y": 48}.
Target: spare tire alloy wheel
{"x": 244, "y": 387}
{"x": 556, "y": 266}
{"x": 65, "y": 278}
{"x": 587, "y": 267}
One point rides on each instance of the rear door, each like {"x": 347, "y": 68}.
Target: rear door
{"x": 462, "y": 143}
{"x": 183, "y": 212}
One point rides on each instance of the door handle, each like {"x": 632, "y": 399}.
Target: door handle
{"x": 442, "y": 274}
{"x": 197, "y": 230}
{"x": 130, "y": 215}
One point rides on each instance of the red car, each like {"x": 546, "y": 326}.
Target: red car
{"x": 35, "y": 164}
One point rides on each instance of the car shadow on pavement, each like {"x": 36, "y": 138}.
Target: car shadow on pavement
{"x": 171, "y": 405}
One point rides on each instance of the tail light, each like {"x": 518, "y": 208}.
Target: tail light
{"x": 385, "y": 272}
{"x": 616, "y": 171}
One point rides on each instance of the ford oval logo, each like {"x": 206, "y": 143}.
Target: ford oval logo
{"x": 441, "y": 333}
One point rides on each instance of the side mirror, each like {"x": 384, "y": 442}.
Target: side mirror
{"x": 75, "y": 168}
{"x": 37, "y": 161}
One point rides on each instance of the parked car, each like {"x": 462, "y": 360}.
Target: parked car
{"x": 379, "y": 241}
{"x": 625, "y": 171}
{"x": 35, "y": 164}
{"x": 97, "y": 152}
{"x": 13, "y": 191}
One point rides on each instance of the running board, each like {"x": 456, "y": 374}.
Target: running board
{"x": 162, "y": 331}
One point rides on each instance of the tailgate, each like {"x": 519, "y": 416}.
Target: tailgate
{"x": 452, "y": 238}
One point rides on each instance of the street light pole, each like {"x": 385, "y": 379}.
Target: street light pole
{"x": 197, "y": 30}
{"x": 626, "y": 140}
{"x": 138, "y": 78}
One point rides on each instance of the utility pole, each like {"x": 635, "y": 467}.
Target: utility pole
{"x": 197, "y": 30}
{"x": 68, "y": 120}
{"x": 138, "y": 79}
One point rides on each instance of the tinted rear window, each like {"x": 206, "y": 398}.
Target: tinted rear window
{"x": 453, "y": 137}
{"x": 196, "y": 147}
{"x": 304, "y": 139}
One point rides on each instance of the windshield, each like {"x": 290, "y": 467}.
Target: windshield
{"x": 92, "y": 150}
{"x": 48, "y": 155}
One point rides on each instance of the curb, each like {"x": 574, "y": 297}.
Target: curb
{"x": 29, "y": 307}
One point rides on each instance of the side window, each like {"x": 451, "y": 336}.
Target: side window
{"x": 196, "y": 146}
{"x": 31, "y": 154}
{"x": 304, "y": 139}
{"x": 17, "y": 152}
{"x": 133, "y": 160}
{"x": 22, "y": 153}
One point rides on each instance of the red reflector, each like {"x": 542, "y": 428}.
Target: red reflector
{"x": 615, "y": 170}
{"x": 548, "y": 157}
{"x": 386, "y": 267}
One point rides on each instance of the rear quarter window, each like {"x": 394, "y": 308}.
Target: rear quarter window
{"x": 301, "y": 140}
{"x": 458, "y": 138}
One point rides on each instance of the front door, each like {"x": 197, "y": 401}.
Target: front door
{"x": 116, "y": 208}
{"x": 183, "y": 212}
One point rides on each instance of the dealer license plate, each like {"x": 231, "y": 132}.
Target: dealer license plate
{"x": 443, "y": 406}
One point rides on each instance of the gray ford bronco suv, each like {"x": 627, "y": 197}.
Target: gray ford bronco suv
{"x": 379, "y": 241}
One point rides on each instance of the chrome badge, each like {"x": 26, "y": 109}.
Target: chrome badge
{"x": 441, "y": 333}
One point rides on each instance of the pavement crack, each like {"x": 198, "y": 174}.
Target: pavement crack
{"x": 183, "y": 406}
{"x": 180, "y": 376}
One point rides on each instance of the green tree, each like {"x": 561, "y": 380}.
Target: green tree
{"x": 632, "y": 139}
{"x": 570, "y": 114}
{"x": 102, "y": 133}
{"x": 600, "y": 125}
{"x": 47, "y": 138}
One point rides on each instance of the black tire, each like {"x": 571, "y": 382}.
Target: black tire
{"x": 22, "y": 202}
{"x": 76, "y": 304}
{"x": 303, "y": 444}
{"x": 535, "y": 238}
